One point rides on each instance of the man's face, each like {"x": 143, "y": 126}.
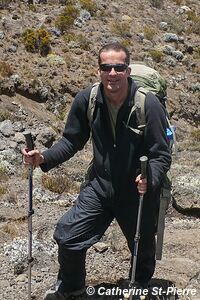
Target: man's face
{"x": 113, "y": 79}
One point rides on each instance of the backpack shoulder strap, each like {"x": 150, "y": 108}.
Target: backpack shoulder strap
{"x": 92, "y": 102}
{"x": 138, "y": 105}
{"x": 140, "y": 97}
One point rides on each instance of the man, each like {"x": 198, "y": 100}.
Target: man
{"x": 115, "y": 180}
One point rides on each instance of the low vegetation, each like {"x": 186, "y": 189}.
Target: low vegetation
{"x": 3, "y": 173}
{"x": 37, "y": 40}
{"x": 149, "y": 33}
{"x": 79, "y": 40}
{"x": 59, "y": 183}
{"x": 67, "y": 17}
{"x": 5, "y": 115}
{"x": 121, "y": 28}
{"x": 5, "y": 69}
{"x": 196, "y": 135}
{"x": 89, "y": 5}
{"x": 156, "y": 55}
{"x": 3, "y": 178}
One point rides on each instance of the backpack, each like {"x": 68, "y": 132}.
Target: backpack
{"x": 147, "y": 80}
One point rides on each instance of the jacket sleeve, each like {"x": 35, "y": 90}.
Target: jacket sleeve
{"x": 155, "y": 141}
{"x": 75, "y": 134}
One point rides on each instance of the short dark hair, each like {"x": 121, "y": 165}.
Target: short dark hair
{"x": 116, "y": 46}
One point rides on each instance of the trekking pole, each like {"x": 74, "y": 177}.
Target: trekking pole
{"x": 30, "y": 146}
{"x": 143, "y": 161}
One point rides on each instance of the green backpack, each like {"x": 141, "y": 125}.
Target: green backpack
{"x": 147, "y": 80}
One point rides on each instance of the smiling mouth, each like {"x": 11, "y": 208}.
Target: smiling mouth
{"x": 113, "y": 81}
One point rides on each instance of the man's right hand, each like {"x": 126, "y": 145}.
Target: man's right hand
{"x": 33, "y": 157}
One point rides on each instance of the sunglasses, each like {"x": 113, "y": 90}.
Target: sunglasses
{"x": 117, "y": 67}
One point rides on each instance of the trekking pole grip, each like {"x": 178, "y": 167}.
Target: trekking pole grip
{"x": 143, "y": 161}
{"x": 29, "y": 140}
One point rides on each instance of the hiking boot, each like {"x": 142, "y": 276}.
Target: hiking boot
{"x": 54, "y": 294}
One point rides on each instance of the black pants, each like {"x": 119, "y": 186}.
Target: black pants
{"x": 85, "y": 223}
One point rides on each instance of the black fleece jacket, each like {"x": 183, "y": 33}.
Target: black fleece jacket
{"x": 116, "y": 163}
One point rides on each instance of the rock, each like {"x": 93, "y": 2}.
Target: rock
{"x": 20, "y": 267}
{"x": 22, "y": 278}
{"x": 2, "y": 35}
{"x": 19, "y": 138}
{"x": 141, "y": 36}
{"x": 168, "y": 49}
{"x": 164, "y": 25}
{"x": 16, "y": 79}
{"x": 43, "y": 93}
{"x": 83, "y": 18}
{"x": 126, "y": 18}
{"x": 170, "y": 61}
{"x": 46, "y": 137}
{"x": 195, "y": 87}
{"x": 100, "y": 247}
{"x": 178, "y": 55}
{"x": 170, "y": 37}
{"x": 186, "y": 186}
{"x": 183, "y": 10}
{"x": 12, "y": 49}
{"x": 55, "y": 31}
{"x": 6, "y": 128}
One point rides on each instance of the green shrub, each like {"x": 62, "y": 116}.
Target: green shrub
{"x": 79, "y": 40}
{"x": 126, "y": 42}
{"x": 30, "y": 40}
{"x": 191, "y": 14}
{"x": 196, "y": 135}
{"x": 37, "y": 41}
{"x": 121, "y": 28}
{"x": 177, "y": 24}
{"x": 3, "y": 190}
{"x": 149, "y": 33}
{"x": 197, "y": 52}
{"x": 44, "y": 41}
{"x": 58, "y": 184}
{"x": 3, "y": 173}
{"x": 4, "y": 115}
{"x": 33, "y": 8}
{"x": 156, "y": 55}
{"x": 89, "y": 5}
{"x": 5, "y": 69}
{"x": 66, "y": 19}
{"x": 195, "y": 26}
{"x": 12, "y": 229}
